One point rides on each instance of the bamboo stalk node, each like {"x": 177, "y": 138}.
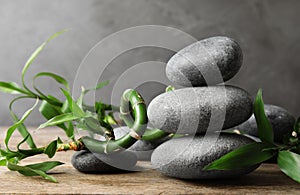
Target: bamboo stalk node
{"x": 134, "y": 134}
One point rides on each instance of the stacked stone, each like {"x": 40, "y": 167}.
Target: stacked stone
{"x": 204, "y": 106}
{"x": 281, "y": 121}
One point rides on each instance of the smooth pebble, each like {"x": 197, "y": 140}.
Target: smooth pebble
{"x": 87, "y": 162}
{"x": 186, "y": 157}
{"x": 207, "y": 62}
{"x": 200, "y": 109}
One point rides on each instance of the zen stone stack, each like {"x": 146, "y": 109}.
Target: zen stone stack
{"x": 199, "y": 112}
{"x": 201, "y": 109}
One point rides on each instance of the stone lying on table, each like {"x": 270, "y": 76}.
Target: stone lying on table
{"x": 219, "y": 58}
{"x": 281, "y": 120}
{"x": 193, "y": 110}
{"x": 143, "y": 149}
{"x": 186, "y": 157}
{"x": 87, "y": 162}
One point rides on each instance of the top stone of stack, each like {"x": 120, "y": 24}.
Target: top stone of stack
{"x": 207, "y": 62}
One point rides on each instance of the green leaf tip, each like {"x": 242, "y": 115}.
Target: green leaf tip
{"x": 289, "y": 163}
{"x": 59, "y": 119}
{"x": 34, "y": 55}
{"x": 11, "y": 87}
{"x": 12, "y": 128}
{"x": 265, "y": 130}
{"x": 35, "y": 169}
{"x": 51, "y": 149}
{"x": 242, "y": 157}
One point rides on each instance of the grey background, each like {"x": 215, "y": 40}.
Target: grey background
{"x": 267, "y": 30}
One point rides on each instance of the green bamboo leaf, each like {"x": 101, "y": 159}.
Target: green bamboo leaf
{"x": 80, "y": 99}
{"x": 75, "y": 109}
{"x": 11, "y": 129}
{"x": 45, "y": 166}
{"x": 24, "y": 140}
{"x": 90, "y": 108}
{"x": 50, "y": 99}
{"x": 35, "y": 54}
{"x": 98, "y": 86}
{"x": 289, "y": 163}
{"x": 12, "y": 155}
{"x": 59, "y": 120}
{"x": 56, "y": 77}
{"x": 51, "y": 149}
{"x": 101, "y": 85}
{"x": 2, "y": 161}
{"x": 59, "y": 141}
{"x": 21, "y": 153}
{"x": 54, "y": 99}
{"x": 23, "y": 131}
{"x": 265, "y": 130}
{"x": 110, "y": 119}
{"x": 3, "y": 153}
{"x": 70, "y": 130}
{"x": 242, "y": 157}
{"x": 27, "y": 171}
{"x": 22, "y": 128}
{"x": 49, "y": 111}
{"x": 65, "y": 107}
{"x": 11, "y": 87}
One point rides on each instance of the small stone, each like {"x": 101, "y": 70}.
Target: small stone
{"x": 200, "y": 109}
{"x": 87, "y": 162}
{"x": 142, "y": 149}
{"x": 207, "y": 62}
{"x": 281, "y": 120}
{"x": 186, "y": 157}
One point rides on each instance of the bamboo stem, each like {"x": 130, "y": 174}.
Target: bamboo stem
{"x": 130, "y": 100}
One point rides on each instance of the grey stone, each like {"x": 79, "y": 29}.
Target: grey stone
{"x": 142, "y": 149}
{"x": 186, "y": 157}
{"x": 207, "y": 62}
{"x": 200, "y": 109}
{"x": 281, "y": 120}
{"x": 85, "y": 161}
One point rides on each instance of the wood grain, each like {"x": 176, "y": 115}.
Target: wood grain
{"x": 265, "y": 180}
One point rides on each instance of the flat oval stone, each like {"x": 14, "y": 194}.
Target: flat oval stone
{"x": 207, "y": 62}
{"x": 141, "y": 148}
{"x": 186, "y": 157}
{"x": 87, "y": 162}
{"x": 198, "y": 109}
{"x": 281, "y": 120}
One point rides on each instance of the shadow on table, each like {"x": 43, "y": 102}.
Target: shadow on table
{"x": 257, "y": 178}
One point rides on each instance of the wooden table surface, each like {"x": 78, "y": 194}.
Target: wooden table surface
{"x": 265, "y": 180}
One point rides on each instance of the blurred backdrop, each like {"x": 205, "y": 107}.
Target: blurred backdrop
{"x": 267, "y": 30}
